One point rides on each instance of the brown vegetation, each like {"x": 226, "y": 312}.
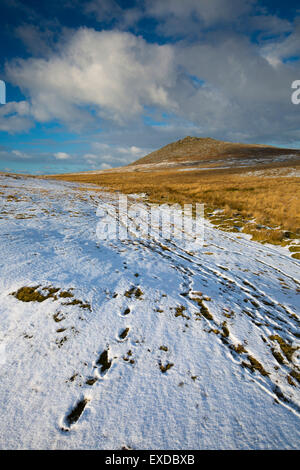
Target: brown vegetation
{"x": 267, "y": 208}
{"x": 263, "y": 206}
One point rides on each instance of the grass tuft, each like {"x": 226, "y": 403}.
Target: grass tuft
{"x": 165, "y": 368}
{"x": 286, "y": 348}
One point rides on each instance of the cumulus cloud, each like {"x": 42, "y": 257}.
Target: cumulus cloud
{"x": 113, "y": 73}
{"x": 219, "y": 83}
{"x": 242, "y": 95}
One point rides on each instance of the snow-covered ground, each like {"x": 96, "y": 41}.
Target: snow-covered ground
{"x": 140, "y": 344}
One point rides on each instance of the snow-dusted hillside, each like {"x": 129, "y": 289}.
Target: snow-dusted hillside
{"x": 140, "y": 344}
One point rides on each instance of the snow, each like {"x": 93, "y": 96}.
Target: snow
{"x": 208, "y": 399}
{"x": 203, "y": 168}
{"x": 289, "y": 172}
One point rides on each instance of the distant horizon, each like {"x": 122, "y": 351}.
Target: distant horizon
{"x": 35, "y": 172}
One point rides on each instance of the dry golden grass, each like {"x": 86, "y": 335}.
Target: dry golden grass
{"x": 272, "y": 202}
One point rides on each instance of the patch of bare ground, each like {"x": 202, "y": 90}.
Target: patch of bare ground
{"x": 40, "y": 294}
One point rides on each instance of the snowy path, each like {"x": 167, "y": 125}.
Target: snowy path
{"x": 140, "y": 344}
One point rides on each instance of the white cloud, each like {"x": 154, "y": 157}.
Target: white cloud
{"x": 110, "y": 79}
{"x": 15, "y": 155}
{"x": 15, "y": 117}
{"x": 19, "y": 154}
{"x": 104, "y": 166}
{"x": 62, "y": 156}
{"x": 279, "y": 49}
{"x": 136, "y": 150}
{"x": 113, "y": 73}
{"x": 104, "y": 156}
{"x": 133, "y": 150}
{"x": 95, "y": 161}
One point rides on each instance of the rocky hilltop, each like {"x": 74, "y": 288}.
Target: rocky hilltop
{"x": 199, "y": 150}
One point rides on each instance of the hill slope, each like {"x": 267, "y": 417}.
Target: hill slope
{"x": 198, "y": 150}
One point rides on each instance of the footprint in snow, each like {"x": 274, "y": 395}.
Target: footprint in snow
{"x": 73, "y": 416}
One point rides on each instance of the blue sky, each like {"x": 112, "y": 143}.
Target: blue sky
{"x": 99, "y": 83}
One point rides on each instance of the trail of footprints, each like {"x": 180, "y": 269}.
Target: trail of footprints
{"x": 241, "y": 355}
{"x": 262, "y": 318}
{"x": 281, "y": 320}
{"x": 101, "y": 367}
